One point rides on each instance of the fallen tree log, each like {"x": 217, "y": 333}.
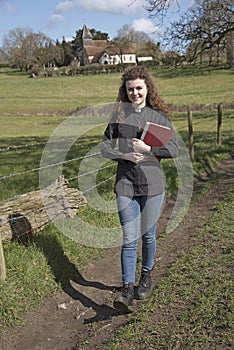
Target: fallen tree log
{"x": 30, "y": 212}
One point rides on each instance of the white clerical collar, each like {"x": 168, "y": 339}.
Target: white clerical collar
{"x": 138, "y": 109}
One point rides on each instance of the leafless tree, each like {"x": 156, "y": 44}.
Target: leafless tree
{"x": 127, "y": 37}
{"x": 207, "y": 26}
{"x": 158, "y": 9}
{"x": 25, "y": 48}
{"x": 132, "y": 35}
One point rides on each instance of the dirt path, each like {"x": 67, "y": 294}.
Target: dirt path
{"x": 82, "y": 317}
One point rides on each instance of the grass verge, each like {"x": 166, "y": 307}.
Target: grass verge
{"x": 39, "y": 269}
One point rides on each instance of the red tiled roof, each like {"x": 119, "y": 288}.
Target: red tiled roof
{"x": 100, "y": 43}
{"x": 97, "y": 56}
{"x": 93, "y": 50}
{"x": 116, "y": 51}
{"x": 98, "y": 47}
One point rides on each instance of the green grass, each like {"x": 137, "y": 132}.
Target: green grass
{"x": 197, "y": 90}
{"x": 16, "y": 129}
{"x": 21, "y": 94}
{"x": 38, "y": 269}
{"x": 193, "y": 306}
{"x": 30, "y": 111}
{"x": 207, "y": 152}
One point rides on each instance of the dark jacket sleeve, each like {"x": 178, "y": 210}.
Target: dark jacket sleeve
{"x": 108, "y": 147}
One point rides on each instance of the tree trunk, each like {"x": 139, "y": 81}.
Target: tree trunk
{"x": 230, "y": 51}
{"x": 20, "y": 218}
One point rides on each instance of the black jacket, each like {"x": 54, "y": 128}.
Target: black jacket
{"x": 146, "y": 177}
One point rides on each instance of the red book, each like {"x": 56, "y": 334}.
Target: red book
{"x": 156, "y": 134}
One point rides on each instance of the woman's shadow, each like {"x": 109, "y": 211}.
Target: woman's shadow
{"x": 64, "y": 271}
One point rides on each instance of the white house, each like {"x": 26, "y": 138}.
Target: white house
{"x": 100, "y": 52}
{"x": 127, "y": 56}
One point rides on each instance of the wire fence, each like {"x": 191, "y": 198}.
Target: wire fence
{"x": 12, "y": 148}
{"x": 47, "y": 166}
{"x": 20, "y": 174}
{"x": 30, "y": 145}
{"x": 9, "y": 219}
{"x": 21, "y": 147}
{"x": 93, "y": 184}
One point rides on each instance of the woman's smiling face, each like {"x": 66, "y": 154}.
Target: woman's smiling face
{"x": 137, "y": 92}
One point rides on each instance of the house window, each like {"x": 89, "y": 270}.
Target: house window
{"x": 130, "y": 58}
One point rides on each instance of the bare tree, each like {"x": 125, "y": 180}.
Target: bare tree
{"x": 127, "y": 37}
{"x": 3, "y": 57}
{"x": 14, "y": 44}
{"x": 205, "y": 27}
{"x": 25, "y": 48}
{"x": 134, "y": 36}
{"x": 158, "y": 9}
{"x": 22, "y": 55}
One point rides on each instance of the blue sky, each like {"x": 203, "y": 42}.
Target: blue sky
{"x": 58, "y": 18}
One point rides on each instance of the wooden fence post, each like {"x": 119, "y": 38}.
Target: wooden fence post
{"x": 219, "y": 124}
{"x": 2, "y": 262}
{"x": 190, "y": 130}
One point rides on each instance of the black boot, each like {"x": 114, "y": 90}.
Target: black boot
{"x": 144, "y": 287}
{"x": 124, "y": 301}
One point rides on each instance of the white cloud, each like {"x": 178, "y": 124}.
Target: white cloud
{"x": 66, "y": 6}
{"x": 146, "y": 26}
{"x": 57, "y": 18}
{"x": 6, "y": 7}
{"x": 114, "y": 6}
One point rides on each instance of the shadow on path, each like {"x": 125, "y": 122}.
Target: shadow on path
{"x": 65, "y": 271}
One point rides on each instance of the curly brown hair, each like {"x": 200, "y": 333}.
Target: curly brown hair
{"x": 153, "y": 100}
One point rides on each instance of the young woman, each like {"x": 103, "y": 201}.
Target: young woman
{"x": 139, "y": 185}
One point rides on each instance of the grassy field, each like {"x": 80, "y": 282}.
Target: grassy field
{"x": 30, "y": 111}
{"x": 21, "y": 94}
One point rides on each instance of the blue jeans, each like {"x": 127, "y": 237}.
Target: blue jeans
{"x": 138, "y": 216}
